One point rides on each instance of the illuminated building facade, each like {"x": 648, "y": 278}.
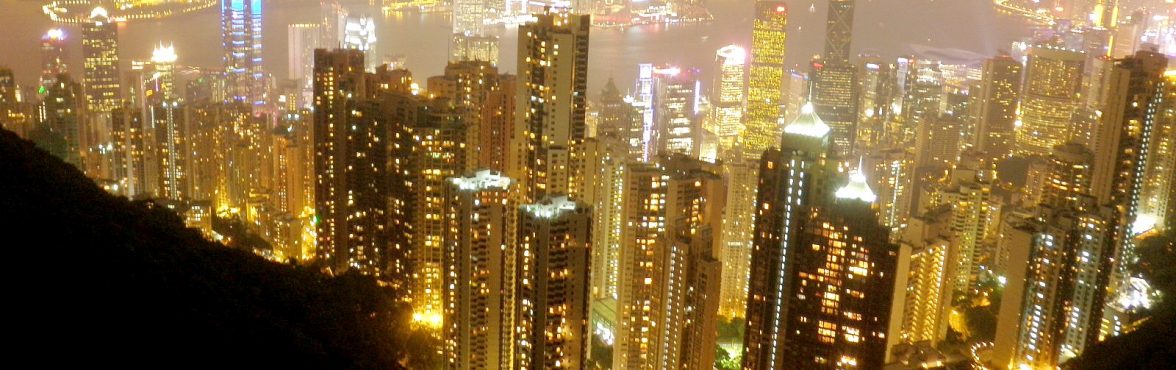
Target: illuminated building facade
{"x": 921, "y": 103}
{"x": 738, "y": 220}
{"x": 100, "y": 53}
{"x": 834, "y": 78}
{"x": 359, "y": 33}
{"x": 471, "y": 41}
{"x": 975, "y": 210}
{"x": 350, "y": 144}
{"x": 52, "y": 56}
{"x": 676, "y": 100}
{"x": 823, "y": 269}
{"x": 1000, "y": 89}
{"x": 669, "y": 283}
{"x": 1053, "y": 77}
{"x": 608, "y": 160}
{"x": 428, "y": 148}
{"x": 60, "y": 116}
{"x": 547, "y": 143}
{"x": 875, "y": 103}
{"x": 479, "y": 271}
{"x": 892, "y": 171}
{"x": 485, "y": 99}
{"x": 790, "y": 182}
{"x": 552, "y": 290}
{"x": 726, "y": 120}
{"x": 1160, "y": 175}
{"x": 930, "y": 253}
{"x": 241, "y": 36}
{"x": 303, "y": 38}
{"x": 620, "y": 117}
{"x": 765, "y": 78}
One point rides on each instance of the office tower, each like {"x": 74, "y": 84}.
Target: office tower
{"x": 728, "y": 97}
{"x": 471, "y": 41}
{"x": 607, "y": 158}
{"x": 546, "y": 155}
{"x": 834, "y": 79}
{"x": 52, "y": 56}
{"x": 486, "y": 101}
{"x": 928, "y": 263}
{"x": 643, "y": 102}
{"x": 790, "y": 182}
{"x": 676, "y": 104}
{"x": 922, "y": 101}
{"x": 796, "y": 93}
{"x": 60, "y": 118}
{"x": 622, "y": 118}
{"x": 100, "y": 53}
{"x": 875, "y": 103}
{"x": 938, "y": 142}
{"x": 823, "y": 271}
{"x": 303, "y": 38}
{"x": 359, "y": 33}
{"x": 169, "y": 120}
{"x": 1155, "y": 194}
{"x": 766, "y": 78}
{"x": 839, "y": 31}
{"x": 669, "y": 283}
{"x": 1053, "y": 77}
{"x": 241, "y": 37}
{"x": 552, "y": 285}
{"x": 891, "y": 170}
{"x": 479, "y": 255}
{"x": 997, "y": 99}
{"x": 350, "y": 143}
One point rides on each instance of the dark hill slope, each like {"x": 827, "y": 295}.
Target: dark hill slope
{"x": 95, "y": 279}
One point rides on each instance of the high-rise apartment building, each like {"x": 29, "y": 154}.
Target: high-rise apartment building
{"x": 930, "y": 252}
{"x": 1160, "y": 175}
{"x": 552, "y": 286}
{"x": 669, "y": 283}
{"x": 546, "y": 151}
{"x": 479, "y": 281}
{"x": 485, "y": 99}
{"x": 350, "y": 145}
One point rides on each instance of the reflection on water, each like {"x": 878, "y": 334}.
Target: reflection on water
{"x": 887, "y": 27}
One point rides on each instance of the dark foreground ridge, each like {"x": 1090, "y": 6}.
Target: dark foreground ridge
{"x": 100, "y": 280}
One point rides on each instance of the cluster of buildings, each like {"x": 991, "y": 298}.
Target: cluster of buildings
{"x": 844, "y": 213}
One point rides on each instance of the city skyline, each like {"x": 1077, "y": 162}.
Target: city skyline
{"x": 711, "y": 192}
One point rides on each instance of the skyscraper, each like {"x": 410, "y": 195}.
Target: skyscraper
{"x": 485, "y": 99}
{"x": 479, "y": 250}
{"x": 669, "y": 283}
{"x": 471, "y": 41}
{"x": 547, "y": 142}
{"x": 839, "y": 31}
{"x": 52, "y": 56}
{"x": 726, "y": 120}
{"x": 552, "y": 285}
{"x": 1053, "y": 77}
{"x": 834, "y": 78}
{"x": 676, "y": 111}
{"x": 359, "y": 33}
{"x": 168, "y": 118}
{"x": 350, "y": 139}
{"x": 930, "y": 274}
{"x": 100, "y": 53}
{"x": 1000, "y": 89}
{"x": 241, "y": 37}
{"x": 1155, "y": 196}
{"x": 766, "y": 77}
{"x": 303, "y": 38}
{"x": 823, "y": 271}
{"x": 60, "y": 117}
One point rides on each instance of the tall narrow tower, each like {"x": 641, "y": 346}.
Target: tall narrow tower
{"x": 241, "y": 35}
{"x": 766, "y": 79}
{"x": 100, "y": 53}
